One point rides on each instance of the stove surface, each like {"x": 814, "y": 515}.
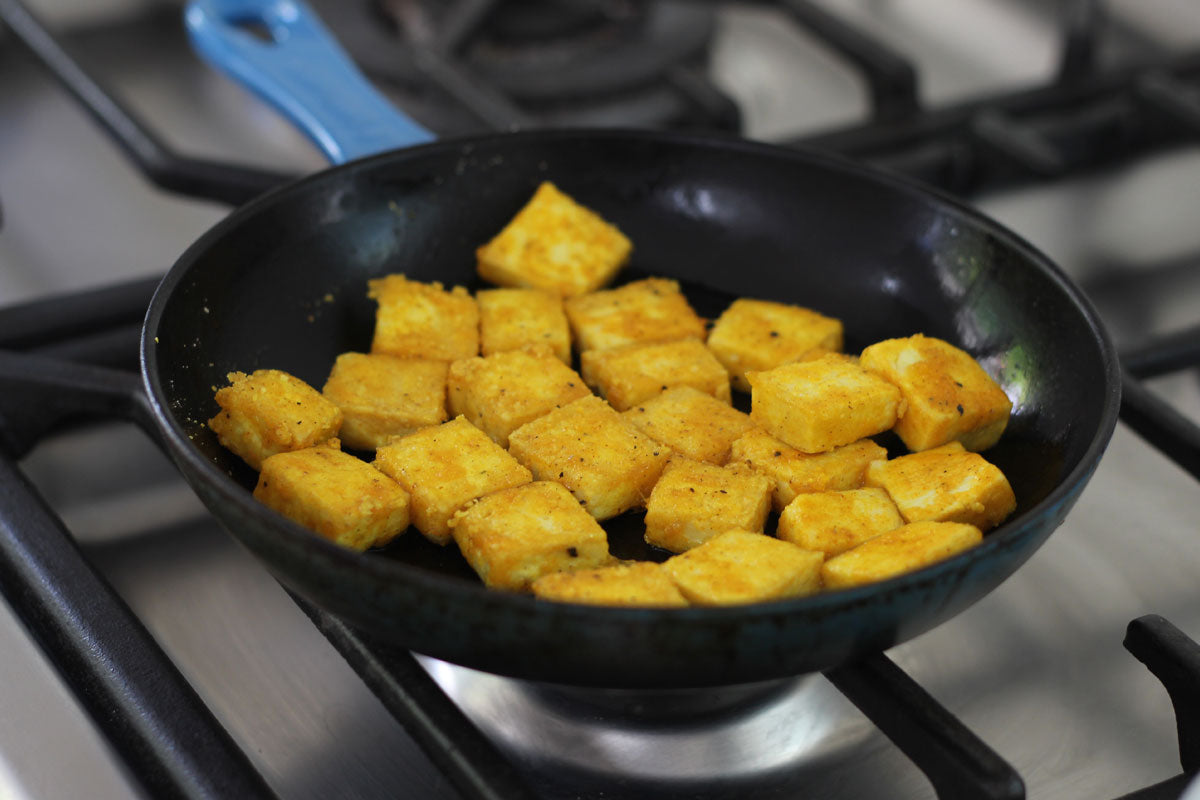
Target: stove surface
{"x": 1036, "y": 669}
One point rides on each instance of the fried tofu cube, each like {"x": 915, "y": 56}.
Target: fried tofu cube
{"x": 269, "y": 412}
{"x": 693, "y": 502}
{"x": 630, "y": 374}
{"x": 501, "y": 392}
{"x": 608, "y": 464}
{"x": 512, "y": 319}
{"x": 898, "y": 551}
{"x": 834, "y": 522}
{"x": 444, "y": 467}
{"x": 423, "y": 320}
{"x": 757, "y": 335}
{"x": 691, "y": 423}
{"x": 945, "y": 484}
{"x": 949, "y": 396}
{"x": 796, "y": 473}
{"x": 739, "y": 567}
{"x": 554, "y": 243}
{"x": 640, "y": 584}
{"x": 818, "y": 405}
{"x": 334, "y": 494}
{"x": 383, "y": 396}
{"x": 649, "y": 310}
{"x": 513, "y": 536}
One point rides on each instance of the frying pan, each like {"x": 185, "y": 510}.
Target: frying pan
{"x": 281, "y": 283}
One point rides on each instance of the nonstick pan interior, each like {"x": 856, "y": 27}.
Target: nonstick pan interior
{"x": 281, "y": 283}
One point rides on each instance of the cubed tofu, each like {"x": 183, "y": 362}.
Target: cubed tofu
{"x": 740, "y": 567}
{"x": 334, "y": 494}
{"x": 898, "y": 551}
{"x": 693, "y": 502}
{"x": 649, "y": 310}
{"x": 796, "y": 473}
{"x": 554, "y": 243}
{"x": 818, "y": 405}
{"x": 691, "y": 423}
{"x": 834, "y": 522}
{"x": 945, "y": 484}
{"x": 269, "y": 412}
{"x": 641, "y": 584}
{"x": 501, "y": 392}
{"x": 757, "y": 335}
{"x": 608, "y": 464}
{"x": 383, "y": 396}
{"x": 513, "y": 536}
{"x": 512, "y": 319}
{"x": 948, "y": 394}
{"x": 629, "y": 374}
{"x": 423, "y": 320}
{"x": 444, "y": 467}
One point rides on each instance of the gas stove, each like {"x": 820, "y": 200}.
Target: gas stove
{"x": 1074, "y": 124}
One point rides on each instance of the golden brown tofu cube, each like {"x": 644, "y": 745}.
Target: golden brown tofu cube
{"x": 949, "y": 396}
{"x": 642, "y": 584}
{"x": 649, "y": 310}
{"x": 796, "y": 473}
{"x": 693, "y": 502}
{"x": 269, "y": 412}
{"x": 899, "y": 551}
{"x": 554, "y": 243}
{"x": 739, "y": 567}
{"x": 608, "y": 464}
{"x": 834, "y": 522}
{"x": 334, "y": 494}
{"x": 383, "y": 396}
{"x": 443, "y": 468}
{"x": 756, "y": 335}
{"x": 818, "y": 405}
{"x": 512, "y": 319}
{"x": 423, "y": 320}
{"x": 514, "y": 536}
{"x": 629, "y": 374}
{"x": 691, "y": 423}
{"x": 501, "y": 392}
{"x": 946, "y": 484}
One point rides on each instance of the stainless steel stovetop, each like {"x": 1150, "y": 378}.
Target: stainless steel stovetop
{"x": 1036, "y": 669}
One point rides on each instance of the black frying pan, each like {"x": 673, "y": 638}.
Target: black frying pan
{"x": 281, "y": 283}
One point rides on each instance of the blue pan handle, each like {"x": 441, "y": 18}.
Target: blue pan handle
{"x": 303, "y": 72}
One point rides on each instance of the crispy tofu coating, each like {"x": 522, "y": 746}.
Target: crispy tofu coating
{"x": 554, "y": 243}
{"x": 630, "y": 374}
{"x": 512, "y": 319}
{"x": 269, "y": 412}
{"x": 745, "y": 567}
{"x": 649, "y": 310}
{"x": 834, "y": 522}
{"x": 897, "y": 552}
{"x": 334, "y": 494}
{"x": 818, "y": 405}
{"x": 693, "y": 502}
{"x": 501, "y": 392}
{"x": 383, "y": 396}
{"x": 423, "y": 320}
{"x": 608, "y": 464}
{"x": 641, "y": 584}
{"x": 949, "y": 396}
{"x": 514, "y": 536}
{"x": 796, "y": 473}
{"x": 691, "y": 423}
{"x": 946, "y": 484}
{"x": 757, "y": 335}
{"x": 443, "y": 468}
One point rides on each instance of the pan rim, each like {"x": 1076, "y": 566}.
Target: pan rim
{"x": 1006, "y": 536}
